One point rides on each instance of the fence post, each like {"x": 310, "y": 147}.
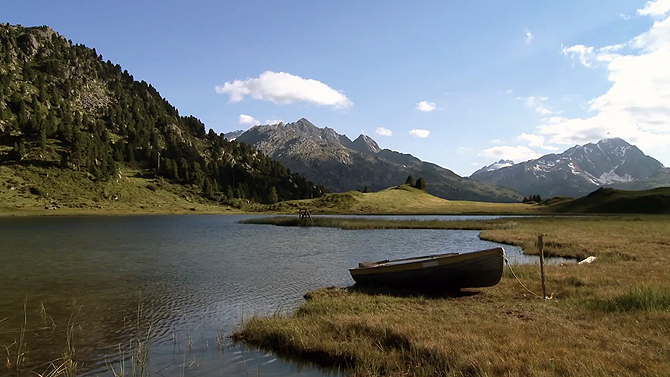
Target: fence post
{"x": 540, "y": 246}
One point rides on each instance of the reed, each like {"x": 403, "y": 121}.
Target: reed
{"x": 641, "y": 298}
{"x": 367, "y": 223}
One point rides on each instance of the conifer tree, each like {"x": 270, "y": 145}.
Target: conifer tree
{"x": 273, "y": 197}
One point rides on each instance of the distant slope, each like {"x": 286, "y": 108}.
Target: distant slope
{"x": 609, "y": 200}
{"x": 330, "y": 159}
{"x": 401, "y": 199}
{"x": 580, "y": 170}
{"x": 233, "y": 135}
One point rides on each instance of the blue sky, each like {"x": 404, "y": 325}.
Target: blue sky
{"x": 458, "y": 83}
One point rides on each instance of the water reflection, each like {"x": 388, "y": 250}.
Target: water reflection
{"x": 183, "y": 280}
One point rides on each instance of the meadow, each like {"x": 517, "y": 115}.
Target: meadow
{"x": 610, "y": 317}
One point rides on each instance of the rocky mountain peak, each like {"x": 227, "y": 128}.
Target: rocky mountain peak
{"x": 365, "y": 144}
{"x": 304, "y": 122}
{"x": 613, "y": 141}
{"x": 303, "y": 126}
{"x": 233, "y": 135}
{"x": 577, "y": 171}
{"x": 332, "y": 159}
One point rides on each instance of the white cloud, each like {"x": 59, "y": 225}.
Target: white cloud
{"x": 419, "y": 133}
{"x": 535, "y": 141}
{"x": 247, "y": 119}
{"x": 462, "y": 150}
{"x": 582, "y": 53}
{"x": 284, "y": 88}
{"x": 425, "y": 106}
{"x": 495, "y": 141}
{"x": 624, "y": 17}
{"x": 637, "y": 105}
{"x": 655, "y": 8}
{"x": 537, "y": 103}
{"x": 509, "y": 91}
{"x": 532, "y": 140}
{"x": 273, "y": 121}
{"x": 518, "y": 153}
{"x": 383, "y": 131}
{"x": 529, "y": 36}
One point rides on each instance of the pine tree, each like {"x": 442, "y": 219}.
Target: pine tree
{"x": 409, "y": 180}
{"x": 273, "y": 197}
{"x": 420, "y": 184}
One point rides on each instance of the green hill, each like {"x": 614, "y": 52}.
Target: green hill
{"x": 72, "y": 124}
{"x": 402, "y": 199}
{"x": 608, "y": 200}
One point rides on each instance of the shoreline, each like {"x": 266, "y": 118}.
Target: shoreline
{"x": 6, "y": 211}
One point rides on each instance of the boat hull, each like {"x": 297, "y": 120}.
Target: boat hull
{"x": 439, "y": 272}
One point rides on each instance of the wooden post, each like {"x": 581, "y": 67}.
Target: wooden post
{"x": 540, "y": 246}
{"x": 304, "y": 214}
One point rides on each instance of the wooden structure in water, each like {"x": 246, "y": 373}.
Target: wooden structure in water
{"x": 303, "y": 214}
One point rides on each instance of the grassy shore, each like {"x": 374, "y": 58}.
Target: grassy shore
{"x": 611, "y": 317}
{"x": 48, "y": 191}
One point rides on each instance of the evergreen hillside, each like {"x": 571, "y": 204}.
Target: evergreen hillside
{"x": 62, "y": 106}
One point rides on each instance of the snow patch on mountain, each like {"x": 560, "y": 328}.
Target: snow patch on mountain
{"x": 612, "y": 177}
{"x": 499, "y": 165}
{"x": 495, "y": 166}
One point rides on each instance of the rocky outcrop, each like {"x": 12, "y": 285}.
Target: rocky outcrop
{"x": 28, "y": 44}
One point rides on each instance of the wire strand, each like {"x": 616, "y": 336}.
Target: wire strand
{"x": 517, "y": 278}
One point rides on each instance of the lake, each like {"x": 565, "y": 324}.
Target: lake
{"x": 182, "y": 281}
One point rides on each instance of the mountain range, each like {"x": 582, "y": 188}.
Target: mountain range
{"x": 335, "y": 161}
{"x": 579, "y": 171}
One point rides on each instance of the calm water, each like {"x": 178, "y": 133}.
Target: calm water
{"x": 184, "y": 279}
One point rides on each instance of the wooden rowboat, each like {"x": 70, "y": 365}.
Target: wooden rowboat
{"x": 446, "y": 272}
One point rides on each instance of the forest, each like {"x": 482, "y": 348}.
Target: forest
{"x": 62, "y": 104}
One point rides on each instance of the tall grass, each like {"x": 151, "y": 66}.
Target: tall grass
{"x": 16, "y": 361}
{"x": 642, "y": 298}
{"x": 138, "y": 350}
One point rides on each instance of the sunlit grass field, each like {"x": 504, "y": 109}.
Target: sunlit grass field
{"x": 401, "y": 199}
{"x": 32, "y": 190}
